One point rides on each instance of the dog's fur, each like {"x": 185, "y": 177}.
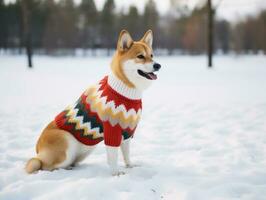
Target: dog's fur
{"x": 57, "y": 148}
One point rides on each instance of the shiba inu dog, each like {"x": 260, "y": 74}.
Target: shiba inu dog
{"x": 108, "y": 111}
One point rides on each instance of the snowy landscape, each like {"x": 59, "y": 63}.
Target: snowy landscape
{"x": 202, "y": 134}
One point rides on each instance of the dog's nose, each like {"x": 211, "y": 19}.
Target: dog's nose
{"x": 156, "y": 66}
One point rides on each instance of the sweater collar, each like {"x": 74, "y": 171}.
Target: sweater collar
{"x": 120, "y": 87}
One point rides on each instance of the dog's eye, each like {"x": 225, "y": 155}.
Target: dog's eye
{"x": 151, "y": 55}
{"x": 140, "y": 57}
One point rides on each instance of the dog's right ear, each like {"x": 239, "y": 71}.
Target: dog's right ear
{"x": 124, "y": 41}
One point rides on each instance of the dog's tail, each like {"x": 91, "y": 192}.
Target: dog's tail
{"x": 34, "y": 164}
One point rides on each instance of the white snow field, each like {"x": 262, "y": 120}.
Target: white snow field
{"x": 202, "y": 135}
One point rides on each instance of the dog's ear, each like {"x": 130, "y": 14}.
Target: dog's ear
{"x": 124, "y": 41}
{"x": 148, "y": 38}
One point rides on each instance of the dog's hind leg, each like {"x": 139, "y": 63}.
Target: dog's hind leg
{"x": 56, "y": 148}
{"x": 84, "y": 151}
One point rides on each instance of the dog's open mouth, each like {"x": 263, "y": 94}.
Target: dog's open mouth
{"x": 148, "y": 75}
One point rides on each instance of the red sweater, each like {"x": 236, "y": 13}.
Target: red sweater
{"x": 103, "y": 112}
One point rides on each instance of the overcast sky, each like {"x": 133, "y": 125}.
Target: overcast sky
{"x": 228, "y": 9}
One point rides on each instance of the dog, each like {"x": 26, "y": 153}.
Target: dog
{"x": 108, "y": 111}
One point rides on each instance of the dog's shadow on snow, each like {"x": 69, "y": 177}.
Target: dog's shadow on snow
{"x": 95, "y": 170}
{"x": 80, "y": 171}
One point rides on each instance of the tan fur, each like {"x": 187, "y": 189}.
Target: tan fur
{"x": 135, "y": 49}
{"x": 51, "y": 148}
{"x": 33, "y": 165}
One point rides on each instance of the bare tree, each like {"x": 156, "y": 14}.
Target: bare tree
{"x": 26, "y": 17}
{"x": 210, "y": 32}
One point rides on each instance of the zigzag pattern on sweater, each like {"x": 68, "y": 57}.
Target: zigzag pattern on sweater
{"x": 101, "y": 113}
{"x": 107, "y": 111}
{"x": 88, "y": 128}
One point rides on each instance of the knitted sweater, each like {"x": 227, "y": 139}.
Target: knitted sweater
{"x": 106, "y": 111}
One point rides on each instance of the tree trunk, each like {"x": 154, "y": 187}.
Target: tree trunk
{"x": 26, "y": 17}
{"x": 210, "y": 32}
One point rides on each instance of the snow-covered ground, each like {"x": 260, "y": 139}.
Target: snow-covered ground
{"x": 202, "y": 133}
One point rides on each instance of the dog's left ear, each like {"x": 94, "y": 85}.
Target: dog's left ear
{"x": 148, "y": 38}
{"x": 124, "y": 41}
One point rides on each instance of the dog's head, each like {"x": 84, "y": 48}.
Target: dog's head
{"x": 133, "y": 61}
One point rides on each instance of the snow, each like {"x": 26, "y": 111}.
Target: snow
{"x": 202, "y": 133}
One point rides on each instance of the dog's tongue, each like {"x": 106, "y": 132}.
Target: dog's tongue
{"x": 152, "y": 76}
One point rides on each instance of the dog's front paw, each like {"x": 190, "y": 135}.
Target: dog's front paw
{"x": 118, "y": 173}
{"x": 132, "y": 165}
